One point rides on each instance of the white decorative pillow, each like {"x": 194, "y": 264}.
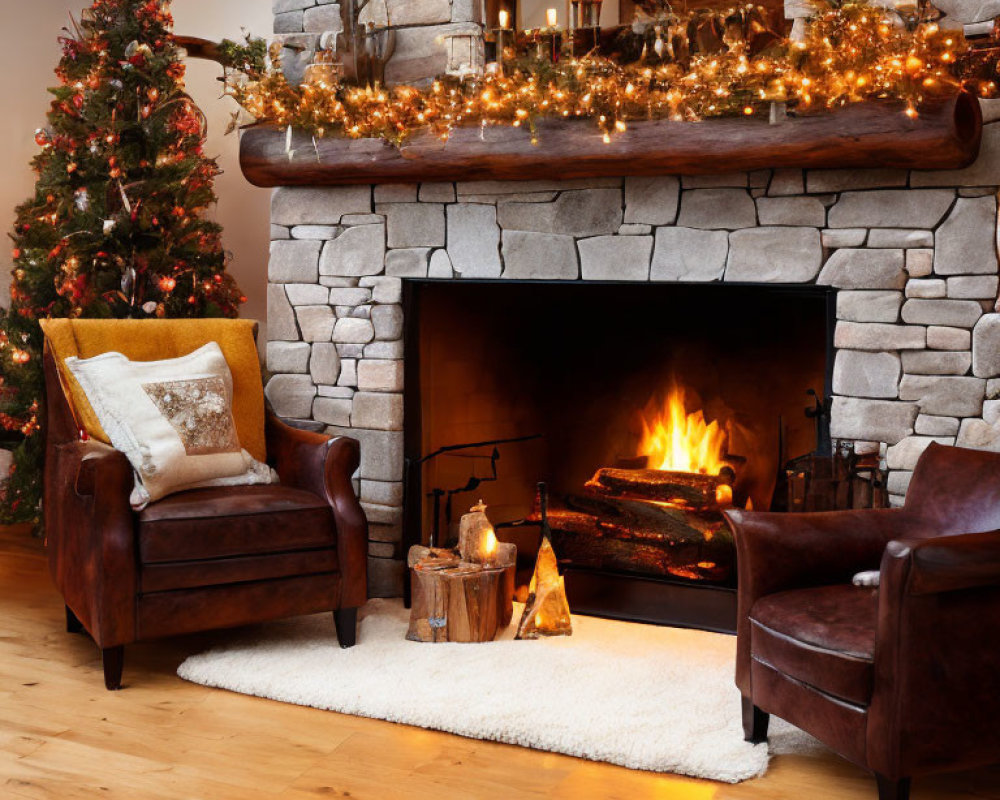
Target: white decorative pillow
{"x": 173, "y": 419}
{"x": 867, "y": 578}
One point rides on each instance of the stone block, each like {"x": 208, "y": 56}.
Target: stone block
{"x": 977, "y": 434}
{"x": 882, "y": 420}
{"x": 984, "y": 171}
{"x": 717, "y": 209}
{"x": 396, "y": 193}
{"x": 405, "y": 13}
{"x": 315, "y": 322}
{"x": 441, "y": 266}
{"x": 421, "y": 52}
{"x": 279, "y": 232}
{"x": 973, "y": 287}
{"x": 898, "y": 481}
{"x": 919, "y": 263}
{"x": 905, "y": 454}
{"x": 652, "y": 201}
{"x": 384, "y": 349}
{"x": 941, "y": 338}
{"x": 291, "y": 396}
{"x": 986, "y": 347}
{"x": 385, "y": 575}
{"x": 929, "y": 425}
{"x": 876, "y": 336}
{"x": 615, "y": 258}
{"x": 307, "y": 294}
{"x": 357, "y": 251}
{"x": 991, "y": 411}
{"x": 322, "y": 232}
{"x": 774, "y": 255}
{"x": 350, "y": 296}
{"x": 287, "y": 357}
{"x": 822, "y": 181}
{"x": 361, "y": 219}
{"x": 891, "y": 208}
{"x": 280, "y": 316}
{"x": 634, "y": 229}
{"x": 384, "y": 533}
{"x": 378, "y": 411}
{"x": 308, "y": 205}
{"x": 388, "y": 322}
{"x": 717, "y": 181}
{"x": 324, "y": 366}
{"x": 966, "y": 241}
{"x": 865, "y": 374}
{"x": 437, "y": 193}
{"x": 862, "y": 268}
{"x": 791, "y": 211}
{"x": 908, "y": 239}
{"x": 689, "y": 254}
{"x": 381, "y": 452}
{"x": 474, "y": 240}
{"x": 348, "y": 371}
{"x": 936, "y": 362}
{"x": 322, "y": 19}
{"x": 384, "y": 289}
{"x": 296, "y": 53}
{"x": 288, "y": 22}
{"x": 375, "y": 375}
{"x": 383, "y": 492}
{"x": 951, "y": 313}
{"x": 332, "y": 410}
{"x": 864, "y": 306}
{"x": 926, "y": 288}
{"x": 844, "y": 237}
{"x": 414, "y": 224}
{"x": 786, "y": 182}
{"x": 539, "y": 256}
{"x": 353, "y": 331}
{"x": 944, "y": 396}
{"x": 380, "y": 514}
{"x": 575, "y": 213}
{"x": 409, "y": 262}
{"x": 282, "y": 6}
{"x": 293, "y": 262}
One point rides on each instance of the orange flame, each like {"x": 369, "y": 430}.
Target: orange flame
{"x": 677, "y": 441}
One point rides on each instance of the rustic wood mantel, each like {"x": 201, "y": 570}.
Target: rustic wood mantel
{"x": 946, "y": 135}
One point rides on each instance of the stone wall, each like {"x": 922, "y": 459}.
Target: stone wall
{"x": 914, "y": 256}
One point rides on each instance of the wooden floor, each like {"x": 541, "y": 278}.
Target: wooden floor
{"x": 63, "y": 736}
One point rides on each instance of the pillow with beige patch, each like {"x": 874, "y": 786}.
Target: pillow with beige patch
{"x": 173, "y": 420}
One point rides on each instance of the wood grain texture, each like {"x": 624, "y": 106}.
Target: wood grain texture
{"x": 946, "y": 135}
{"x": 63, "y": 737}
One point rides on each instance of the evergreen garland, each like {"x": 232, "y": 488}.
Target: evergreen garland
{"x": 116, "y": 226}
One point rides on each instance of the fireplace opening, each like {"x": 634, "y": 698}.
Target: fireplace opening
{"x": 645, "y": 409}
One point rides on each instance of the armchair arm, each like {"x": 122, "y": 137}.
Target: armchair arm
{"x": 950, "y": 563}
{"x": 90, "y": 530}
{"x": 775, "y": 552}
{"x": 325, "y": 466}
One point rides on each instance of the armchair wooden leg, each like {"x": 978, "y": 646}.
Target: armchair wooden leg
{"x": 346, "y": 620}
{"x": 754, "y": 722}
{"x": 73, "y": 625}
{"x": 889, "y": 789}
{"x": 114, "y": 661}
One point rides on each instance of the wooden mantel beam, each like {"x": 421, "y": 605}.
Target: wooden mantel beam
{"x": 946, "y": 135}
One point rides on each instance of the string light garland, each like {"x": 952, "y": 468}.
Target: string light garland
{"x": 852, "y": 53}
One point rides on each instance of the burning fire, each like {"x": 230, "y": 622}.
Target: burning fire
{"x": 677, "y": 441}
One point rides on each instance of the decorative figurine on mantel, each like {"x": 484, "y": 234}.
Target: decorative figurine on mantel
{"x": 465, "y": 594}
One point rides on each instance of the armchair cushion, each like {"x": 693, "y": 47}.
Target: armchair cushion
{"x": 823, "y": 637}
{"x": 156, "y": 339}
{"x": 238, "y": 521}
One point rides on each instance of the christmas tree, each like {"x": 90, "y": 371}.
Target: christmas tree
{"x": 116, "y": 226}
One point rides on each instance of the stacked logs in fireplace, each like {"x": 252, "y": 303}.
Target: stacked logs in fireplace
{"x": 649, "y": 522}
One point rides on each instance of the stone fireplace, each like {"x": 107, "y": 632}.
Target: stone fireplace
{"x": 912, "y": 256}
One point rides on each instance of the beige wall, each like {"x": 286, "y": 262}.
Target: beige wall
{"x": 29, "y": 53}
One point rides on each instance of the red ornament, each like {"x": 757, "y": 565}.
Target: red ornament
{"x": 167, "y": 284}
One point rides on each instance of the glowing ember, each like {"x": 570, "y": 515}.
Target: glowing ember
{"x": 678, "y": 441}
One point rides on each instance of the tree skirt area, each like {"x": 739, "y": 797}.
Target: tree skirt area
{"x": 641, "y": 696}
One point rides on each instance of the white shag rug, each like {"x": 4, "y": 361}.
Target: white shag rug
{"x": 641, "y": 696}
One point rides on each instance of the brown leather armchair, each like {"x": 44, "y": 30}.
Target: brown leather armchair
{"x": 903, "y": 679}
{"x": 200, "y": 559}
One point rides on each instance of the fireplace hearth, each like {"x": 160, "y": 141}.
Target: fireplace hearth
{"x": 646, "y": 409}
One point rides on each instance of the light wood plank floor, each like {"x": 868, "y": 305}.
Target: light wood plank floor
{"x": 63, "y": 736}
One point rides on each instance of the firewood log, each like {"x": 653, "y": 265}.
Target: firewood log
{"x": 689, "y": 488}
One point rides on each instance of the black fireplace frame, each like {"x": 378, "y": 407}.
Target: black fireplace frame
{"x": 592, "y": 592}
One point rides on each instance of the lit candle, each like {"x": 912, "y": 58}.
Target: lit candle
{"x": 551, "y": 18}
{"x": 504, "y": 19}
